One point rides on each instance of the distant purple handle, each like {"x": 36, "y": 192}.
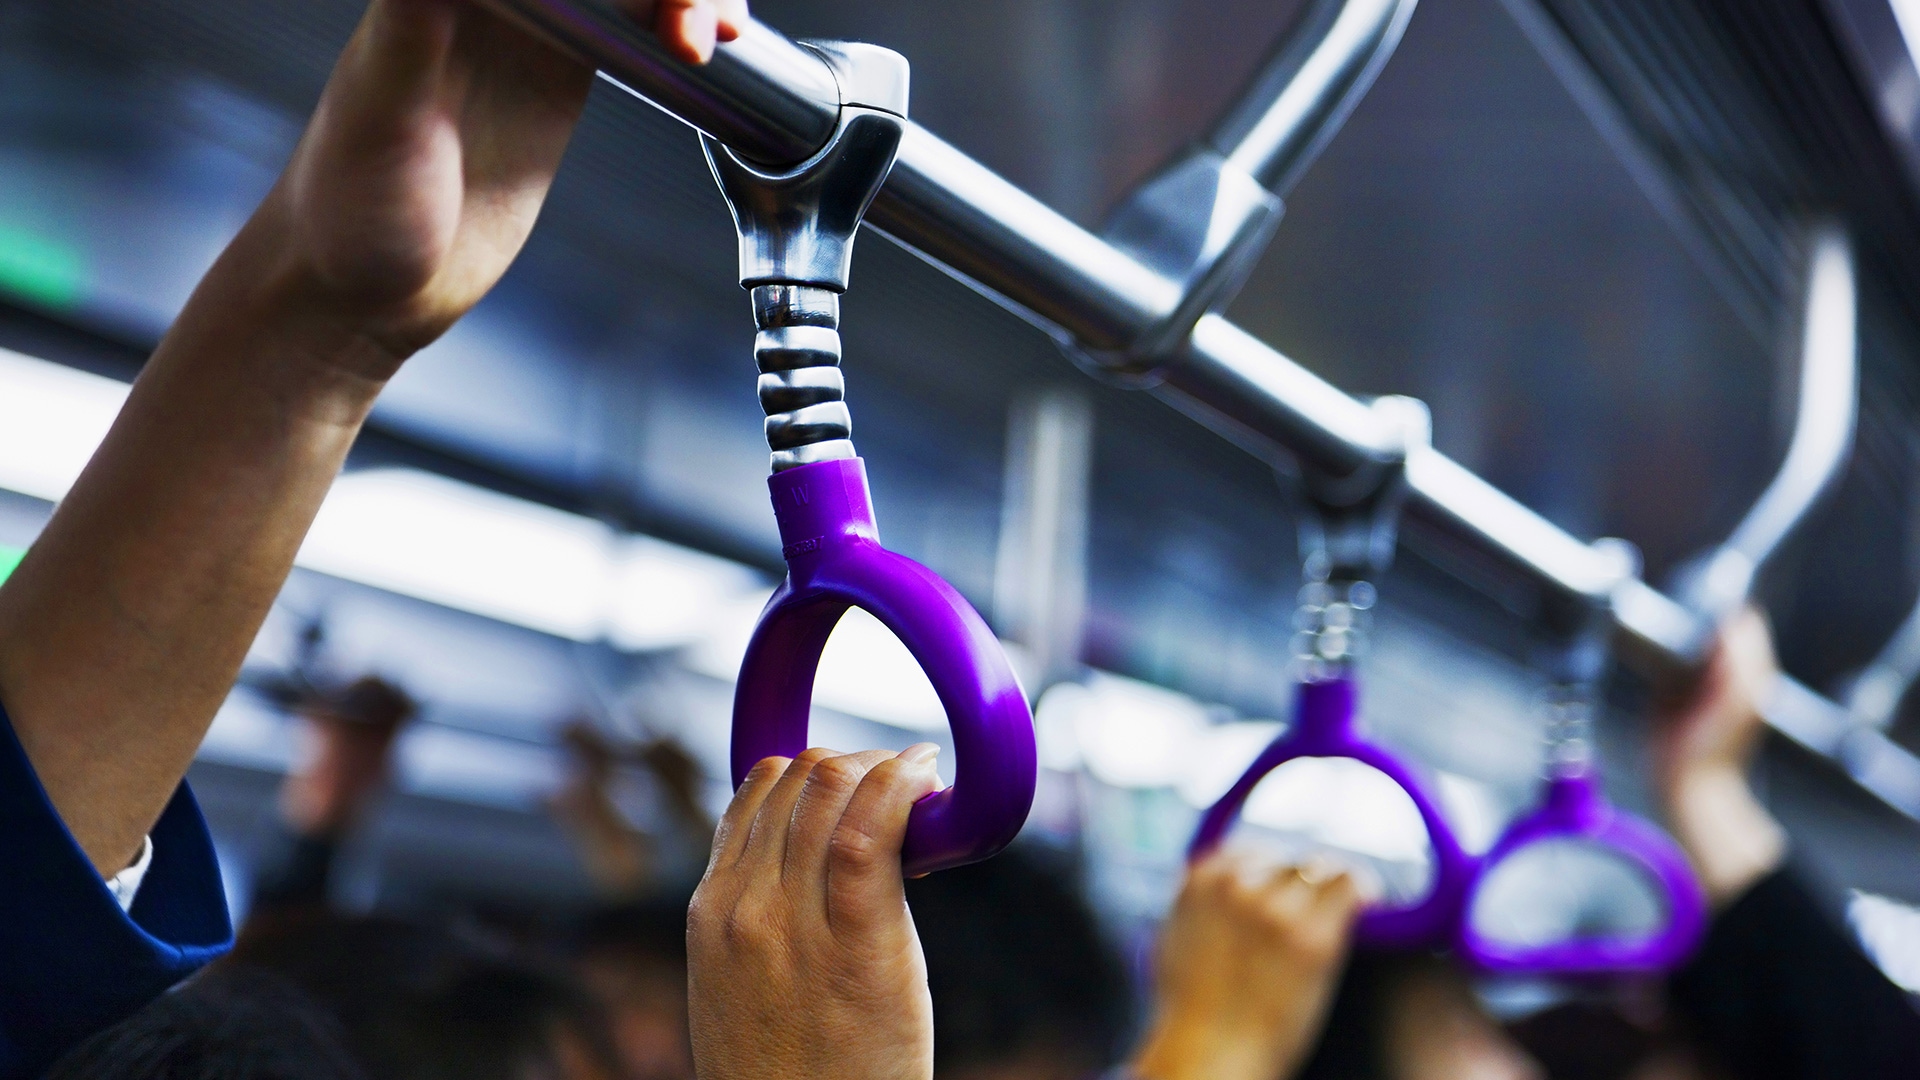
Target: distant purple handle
{"x": 1324, "y": 727}
{"x": 1576, "y": 809}
{"x": 835, "y": 561}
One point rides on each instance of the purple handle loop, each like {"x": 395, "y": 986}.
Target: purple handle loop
{"x": 1324, "y": 727}
{"x": 834, "y": 562}
{"x": 1576, "y": 809}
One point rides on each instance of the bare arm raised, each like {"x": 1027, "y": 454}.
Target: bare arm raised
{"x": 1246, "y": 969}
{"x": 415, "y": 186}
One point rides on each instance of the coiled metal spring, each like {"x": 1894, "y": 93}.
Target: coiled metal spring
{"x": 802, "y": 389}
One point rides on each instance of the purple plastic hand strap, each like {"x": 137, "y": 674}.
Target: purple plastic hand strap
{"x": 1576, "y": 809}
{"x": 835, "y": 561}
{"x": 1323, "y": 726}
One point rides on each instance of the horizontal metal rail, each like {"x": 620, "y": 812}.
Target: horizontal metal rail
{"x": 775, "y": 101}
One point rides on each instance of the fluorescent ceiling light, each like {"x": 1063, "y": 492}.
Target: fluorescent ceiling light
{"x": 413, "y": 532}
{"x": 454, "y": 544}
{"x": 436, "y": 539}
{"x": 1906, "y": 13}
{"x": 52, "y": 418}
{"x": 1127, "y": 733}
{"x": 1890, "y": 932}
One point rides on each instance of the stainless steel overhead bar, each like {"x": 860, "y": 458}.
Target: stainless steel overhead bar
{"x": 774, "y": 101}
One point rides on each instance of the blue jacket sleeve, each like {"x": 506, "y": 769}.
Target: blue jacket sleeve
{"x": 71, "y": 962}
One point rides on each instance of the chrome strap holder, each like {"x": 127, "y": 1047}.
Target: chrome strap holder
{"x": 796, "y": 229}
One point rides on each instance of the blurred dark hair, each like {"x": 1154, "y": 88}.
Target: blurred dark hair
{"x": 1017, "y": 966}
{"x": 223, "y": 1025}
{"x": 421, "y": 1002}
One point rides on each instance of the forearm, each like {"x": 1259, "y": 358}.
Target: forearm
{"x": 1175, "y": 1051}
{"x": 1730, "y": 836}
{"x": 123, "y": 629}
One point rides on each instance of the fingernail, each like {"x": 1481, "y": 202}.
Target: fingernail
{"x": 920, "y": 753}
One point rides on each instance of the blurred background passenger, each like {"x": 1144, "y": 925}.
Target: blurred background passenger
{"x": 1246, "y": 968}
{"x": 623, "y": 861}
{"x": 1778, "y": 990}
{"x": 348, "y": 735}
{"x": 1024, "y": 986}
{"x": 611, "y": 1000}
{"x": 419, "y": 1001}
{"x": 630, "y": 949}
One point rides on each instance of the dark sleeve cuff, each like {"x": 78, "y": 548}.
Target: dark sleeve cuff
{"x": 1778, "y": 990}
{"x": 71, "y": 961}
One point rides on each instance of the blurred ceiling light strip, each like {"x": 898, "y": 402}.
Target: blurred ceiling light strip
{"x": 1906, "y": 14}
{"x": 460, "y": 546}
{"x": 432, "y": 538}
{"x": 414, "y": 532}
{"x": 52, "y": 417}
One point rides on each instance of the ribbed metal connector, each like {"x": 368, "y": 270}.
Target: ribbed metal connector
{"x": 801, "y": 387}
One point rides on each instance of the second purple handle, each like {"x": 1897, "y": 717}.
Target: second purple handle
{"x": 1323, "y": 726}
{"x": 834, "y": 562}
{"x": 1574, "y": 809}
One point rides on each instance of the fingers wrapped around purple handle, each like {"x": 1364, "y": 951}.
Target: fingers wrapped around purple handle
{"x": 1575, "y": 809}
{"x": 835, "y": 562}
{"x": 1324, "y": 727}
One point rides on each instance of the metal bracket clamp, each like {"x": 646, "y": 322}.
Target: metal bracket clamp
{"x": 1202, "y": 223}
{"x": 796, "y": 228}
{"x": 1349, "y": 524}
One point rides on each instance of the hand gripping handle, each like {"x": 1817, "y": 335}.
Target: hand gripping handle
{"x": 1575, "y": 809}
{"x": 835, "y": 561}
{"x": 1324, "y": 727}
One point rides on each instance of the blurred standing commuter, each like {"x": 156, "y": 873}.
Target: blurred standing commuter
{"x": 631, "y": 950}
{"x": 623, "y": 861}
{"x": 1246, "y": 969}
{"x": 1778, "y": 991}
{"x": 420, "y": 1001}
{"x": 349, "y": 739}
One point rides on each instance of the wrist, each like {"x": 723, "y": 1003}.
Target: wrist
{"x": 1180, "y": 1049}
{"x": 303, "y": 340}
{"x": 1731, "y": 838}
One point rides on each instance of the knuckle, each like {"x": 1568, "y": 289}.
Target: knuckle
{"x": 836, "y": 776}
{"x": 702, "y": 916}
{"x": 766, "y": 770}
{"x": 747, "y": 928}
{"x": 854, "y": 848}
